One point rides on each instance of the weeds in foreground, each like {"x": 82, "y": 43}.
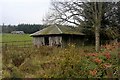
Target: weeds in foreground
{"x": 52, "y": 62}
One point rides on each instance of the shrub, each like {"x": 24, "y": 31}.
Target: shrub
{"x": 18, "y": 58}
{"x": 69, "y": 62}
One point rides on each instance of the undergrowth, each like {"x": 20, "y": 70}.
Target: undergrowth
{"x": 53, "y": 62}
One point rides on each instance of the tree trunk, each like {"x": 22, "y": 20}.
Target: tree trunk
{"x": 97, "y": 38}
{"x": 97, "y": 18}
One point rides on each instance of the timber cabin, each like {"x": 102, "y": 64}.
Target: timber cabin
{"x": 57, "y": 36}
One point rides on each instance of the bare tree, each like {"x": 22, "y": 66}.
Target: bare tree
{"x": 81, "y": 14}
{"x": 65, "y": 12}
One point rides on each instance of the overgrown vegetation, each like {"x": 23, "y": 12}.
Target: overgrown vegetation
{"x": 53, "y": 62}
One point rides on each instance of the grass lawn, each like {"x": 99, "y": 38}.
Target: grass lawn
{"x": 15, "y": 38}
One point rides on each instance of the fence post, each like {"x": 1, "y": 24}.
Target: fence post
{"x": 24, "y": 44}
{"x": 12, "y": 44}
{"x": 5, "y": 47}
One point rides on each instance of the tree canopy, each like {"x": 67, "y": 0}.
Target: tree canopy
{"x": 97, "y": 17}
{"x": 27, "y": 28}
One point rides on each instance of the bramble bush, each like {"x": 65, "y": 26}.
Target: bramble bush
{"x": 69, "y": 62}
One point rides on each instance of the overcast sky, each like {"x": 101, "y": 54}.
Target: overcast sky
{"x": 23, "y": 11}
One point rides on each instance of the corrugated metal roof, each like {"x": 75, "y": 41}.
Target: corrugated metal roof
{"x": 57, "y": 30}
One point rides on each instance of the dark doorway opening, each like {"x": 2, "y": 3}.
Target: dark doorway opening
{"x": 46, "y": 40}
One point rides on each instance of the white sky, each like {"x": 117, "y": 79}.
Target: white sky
{"x": 23, "y": 11}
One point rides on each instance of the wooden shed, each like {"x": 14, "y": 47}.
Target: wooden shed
{"x": 57, "y": 36}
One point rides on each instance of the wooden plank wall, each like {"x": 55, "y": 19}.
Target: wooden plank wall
{"x": 53, "y": 41}
{"x": 38, "y": 41}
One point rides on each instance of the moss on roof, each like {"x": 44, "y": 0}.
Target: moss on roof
{"x": 57, "y": 30}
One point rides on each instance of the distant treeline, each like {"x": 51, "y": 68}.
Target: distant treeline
{"x": 27, "y": 28}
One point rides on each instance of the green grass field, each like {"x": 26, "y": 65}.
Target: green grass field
{"x": 15, "y": 39}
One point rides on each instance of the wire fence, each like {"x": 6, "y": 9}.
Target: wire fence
{"x": 26, "y": 43}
